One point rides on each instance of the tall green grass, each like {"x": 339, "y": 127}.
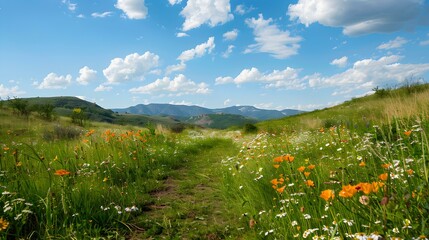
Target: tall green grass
{"x": 334, "y": 183}
{"x": 65, "y": 182}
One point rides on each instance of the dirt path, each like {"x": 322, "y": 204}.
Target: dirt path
{"x": 190, "y": 205}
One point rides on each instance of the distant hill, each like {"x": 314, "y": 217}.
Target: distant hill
{"x": 183, "y": 111}
{"x": 65, "y": 105}
{"x": 256, "y": 113}
{"x": 220, "y": 120}
{"x": 172, "y": 116}
{"x": 155, "y": 109}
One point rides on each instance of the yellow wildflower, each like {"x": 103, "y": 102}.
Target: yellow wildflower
{"x": 3, "y": 224}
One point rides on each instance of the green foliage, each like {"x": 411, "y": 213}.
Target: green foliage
{"x": 78, "y": 116}
{"x": 381, "y": 92}
{"x": 250, "y": 128}
{"x": 46, "y": 111}
{"x": 413, "y": 86}
{"x": 328, "y": 123}
{"x": 20, "y": 106}
{"x": 277, "y": 181}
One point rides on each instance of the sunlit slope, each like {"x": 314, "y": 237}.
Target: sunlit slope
{"x": 381, "y": 107}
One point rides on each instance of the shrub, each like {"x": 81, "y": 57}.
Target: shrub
{"x": 60, "y": 132}
{"x": 250, "y": 128}
{"x": 381, "y": 92}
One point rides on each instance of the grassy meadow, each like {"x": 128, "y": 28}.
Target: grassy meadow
{"x": 354, "y": 171}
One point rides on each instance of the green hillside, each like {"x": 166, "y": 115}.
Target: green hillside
{"x": 63, "y": 106}
{"x": 220, "y": 121}
{"x": 361, "y": 113}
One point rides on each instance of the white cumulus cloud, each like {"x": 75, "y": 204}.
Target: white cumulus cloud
{"x": 199, "y": 51}
{"x": 270, "y": 39}
{"x": 395, "y": 43}
{"x": 179, "y": 85}
{"x": 133, "y": 9}
{"x": 86, "y": 75}
{"x": 359, "y": 17}
{"x": 54, "y": 81}
{"x": 287, "y": 78}
{"x": 103, "y": 88}
{"x": 211, "y": 12}
{"x": 6, "y": 92}
{"x": 71, "y": 6}
{"x": 182, "y": 34}
{"x": 132, "y": 67}
{"x": 231, "y": 35}
{"x": 369, "y": 73}
{"x": 340, "y": 62}
{"x": 241, "y": 9}
{"x": 228, "y": 51}
{"x": 101, "y": 15}
{"x": 175, "y": 68}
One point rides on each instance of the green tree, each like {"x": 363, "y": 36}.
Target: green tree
{"x": 20, "y": 106}
{"x": 46, "y": 111}
{"x": 78, "y": 116}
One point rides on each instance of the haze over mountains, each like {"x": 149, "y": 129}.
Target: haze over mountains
{"x": 183, "y": 111}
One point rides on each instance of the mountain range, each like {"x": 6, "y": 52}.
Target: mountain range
{"x": 169, "y": 115}
{"x": 185, "y": 112}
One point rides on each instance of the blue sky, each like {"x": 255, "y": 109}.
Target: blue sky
{"x": 300, "y": 54}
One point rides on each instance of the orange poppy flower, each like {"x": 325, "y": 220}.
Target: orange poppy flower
{"x": 306, "y": 174}
{"x": 276, "y": 165}
{"x": 301, "y": 169}
{"x": 278, "y": 159}
{"x": 386, "y": 165}
{"x": 362, "y": 164}
{"x": 274, "y": 181}
{"x": 280, "y": 190}
{"x": 410, "y": 171}
{"x": 309, "y": 183}
{"x": 90, "y": 132}
{"x": 365, "y": 188}
{"x": 348, "y": 191}
{"x": 327, "y": 194}
{"x": 61, "y": 172}
{"x": 311, "y": 167}
{"x": 288, "y": 158}
{"x": 383, "y": 176}
{"x": 407, "y": 133}
{"x": 376, "y": 185}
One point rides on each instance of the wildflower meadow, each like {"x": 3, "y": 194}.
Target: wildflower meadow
{"x": 334, "y": 183}
{"x": 320, "y": 175}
